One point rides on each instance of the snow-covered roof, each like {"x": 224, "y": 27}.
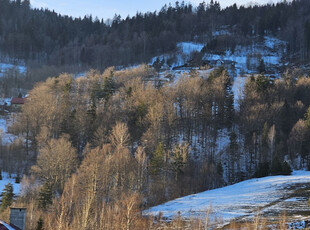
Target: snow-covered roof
{"x": 5, "y": 226}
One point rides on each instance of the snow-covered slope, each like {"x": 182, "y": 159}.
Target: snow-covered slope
{"x": 237, "y": 88}
{"x": 243, "y": 60}
{"x": 236, "y": 201}
{"x": 182, "y": 55}
{"x": 5, "y": 67}
{"x": 5, "y": 137}
{"x": 246, "y": 59}
{"x": 189, "y": 47}
{"x": 5, "y": 180}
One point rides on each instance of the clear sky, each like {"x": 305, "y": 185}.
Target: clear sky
{"x": 107, "y": 8}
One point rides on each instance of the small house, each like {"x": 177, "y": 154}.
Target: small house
{"x": 219, "y": 63}
{"x": 17, "y": 102}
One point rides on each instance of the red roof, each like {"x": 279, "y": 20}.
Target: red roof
{"x": 19, "y": 101}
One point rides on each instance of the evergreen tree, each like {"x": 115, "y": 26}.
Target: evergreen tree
{"x": 233, "y": 149}
{"x": 40, "y": 224}
{"x": 229, "y": 103}
{"x": 219, "y": 169}
{"x": 262, "y": 170}
{"x": 307, "y": 118}
{"x": 7, "y": 197}
{"x": 286, "y": 168}
{"x": 262, "y": 83}
{"x": 261, "y": 67}
{"x": 108, "y": 86}
{"x": 158, "y": 64}
{"x": 17, "y": 179}
{"x": 157, "y": 160}
{"x": 45, "y": 196}
{"x": 179, "y": 160}
{"x": 264, "y": 144}
{"x": 276, "y": 167}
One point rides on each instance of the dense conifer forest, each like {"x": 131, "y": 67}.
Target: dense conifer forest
{"x": 45, "y": 37}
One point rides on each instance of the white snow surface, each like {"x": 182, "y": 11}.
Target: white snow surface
{"x": 247, "y": 58}
{"x": 220, "y": 33}
{"x": 7, "y": 138}
{"x": 189, "y": 47}
{"x": 7, "y": 226}
{"x": 239, "y": 200}
{"x": 183, "y": 54}
{"x": 4, "y": 67}
{"x": 293, "y": 199}
{"x": 237, "y": 88}
{"x": 5, "y": 100}
{"x": 6, "y": 179}
{"x": 243, "y": 60}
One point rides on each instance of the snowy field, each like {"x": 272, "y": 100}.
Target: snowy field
{"x": 189, "y": 47}
{"x": 6, "y": 179}
{"x": 241, "y": 200}
{"x": 182, "y": 56}
{"x": 7, "y": 138}
{"x": 5, "y": 67}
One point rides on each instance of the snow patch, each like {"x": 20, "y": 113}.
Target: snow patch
{"x": 7, "y": 138}
{"x": 237, "y": 88}
{"x": 181, "y": 57}
{"x": 294, "y": 199}
{"x": 189, "y": 47}
{"x": 221, "y": 33}
{"x": 246, "y": 59}
{"x": 6, "y": 225}
{"x": 7, "y": 179}
{"x": 5, "y": 67}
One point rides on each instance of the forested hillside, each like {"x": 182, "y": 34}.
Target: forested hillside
{"x": 220, "y": 100}
{"x": 117, "y": 137}
{"x": 46, "y": 37}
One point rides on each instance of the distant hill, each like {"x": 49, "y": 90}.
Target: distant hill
{"x": 45, "y": 37}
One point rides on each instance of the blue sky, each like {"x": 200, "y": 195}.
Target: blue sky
{"x": 107, "y": 8}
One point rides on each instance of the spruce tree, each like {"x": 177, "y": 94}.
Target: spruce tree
{"x": 262, "y": 170}
{"x": 17, "y": 179}
{"x": 286, "y": 169}
{"x": 7, "y": 196}
{"x": 276, "y": 167}
{"x": 45, "y": 196}
{"x": 40, "y": 224}
{"x": 219, "y": 169}
{"x": 261, "y": 67}
{"x": 233, "y": 149}
{"x": 179, "y": 160}
{"x": 157, "y": 160}
{"x": 307, "y": 117}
